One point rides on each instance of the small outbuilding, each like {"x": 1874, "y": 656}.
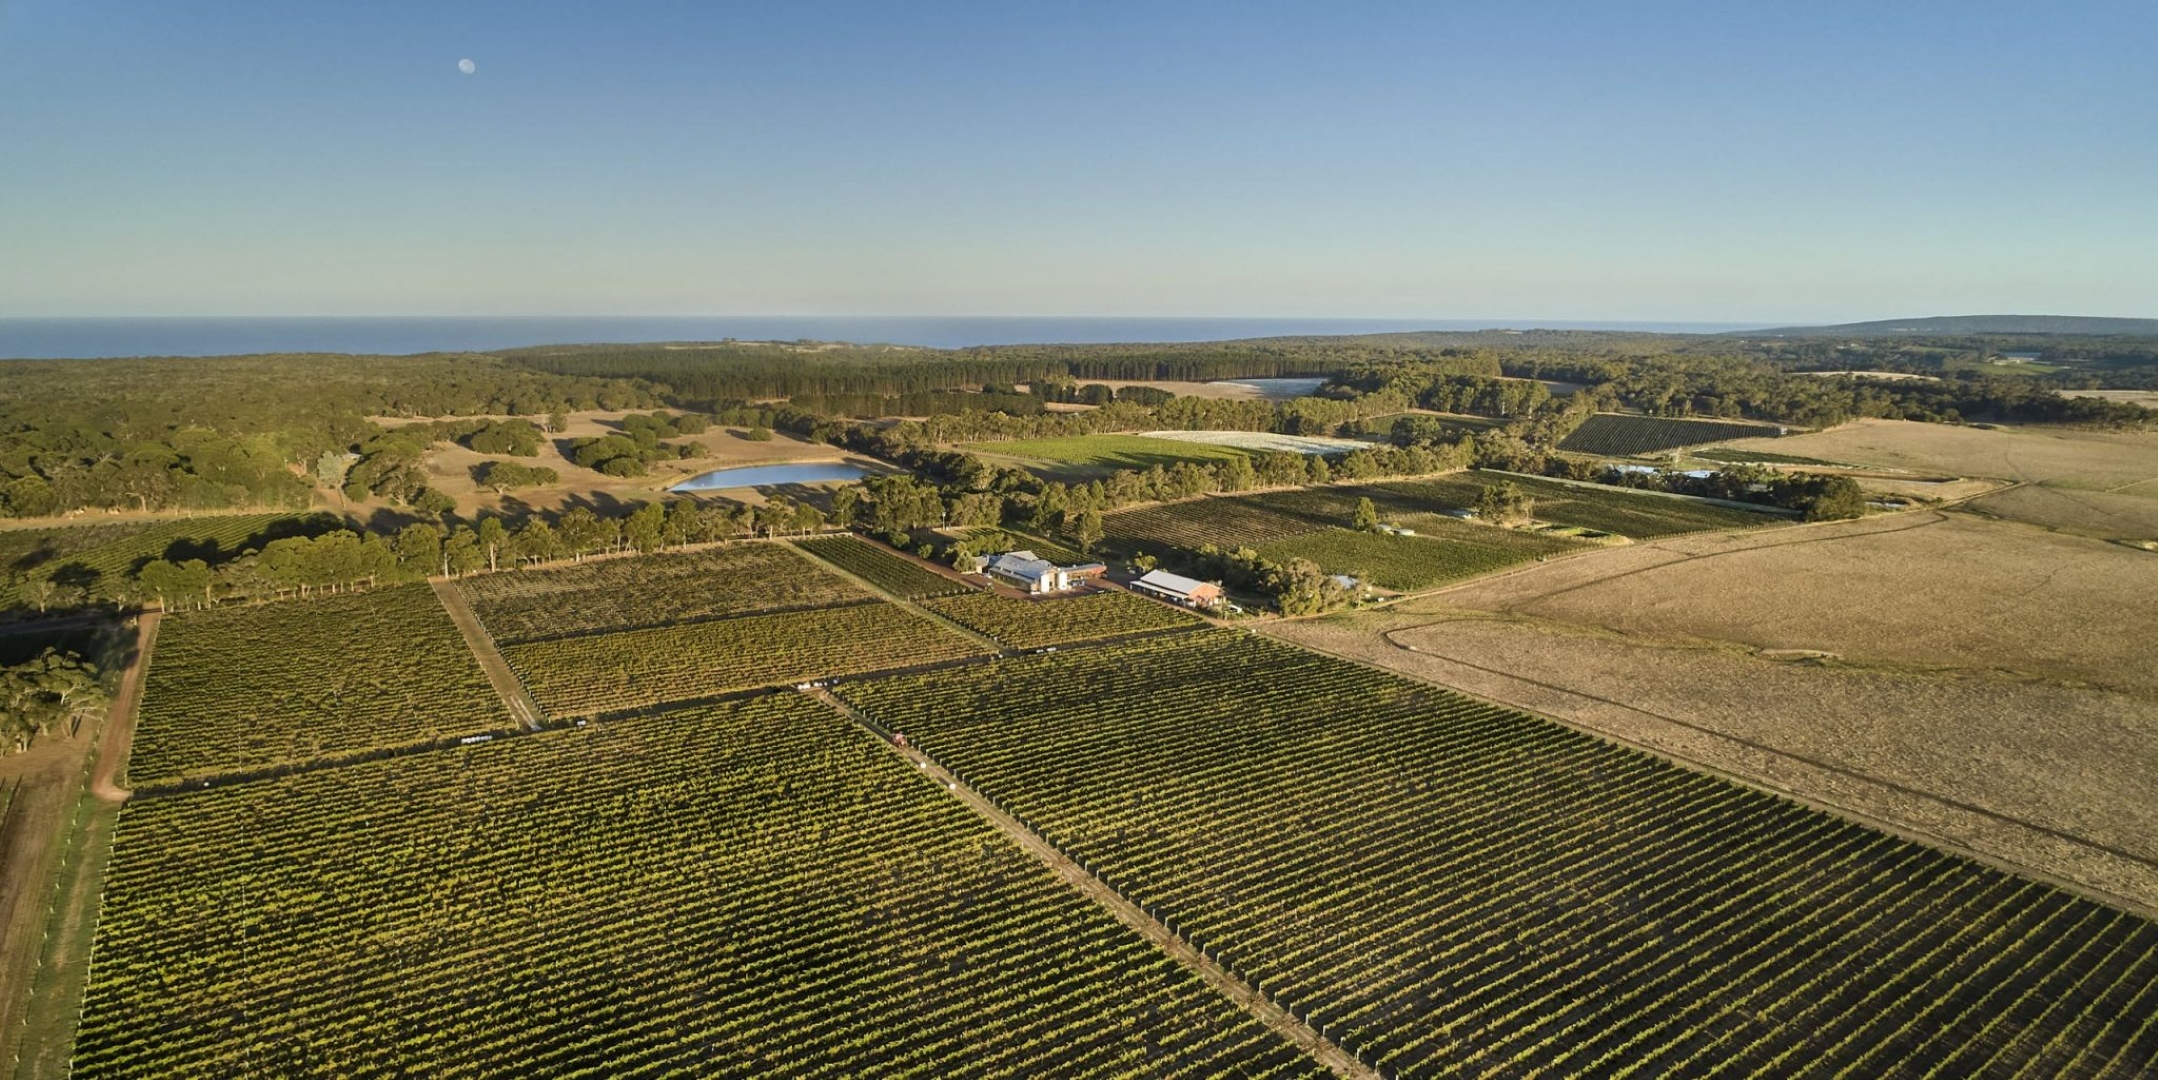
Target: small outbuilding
{"x": 1178, "y": 589}
{"x": 1028, "y": 572}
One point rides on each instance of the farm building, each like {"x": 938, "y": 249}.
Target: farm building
{"x": 1178, "y": 589}
{"x": 1027, "y": 571}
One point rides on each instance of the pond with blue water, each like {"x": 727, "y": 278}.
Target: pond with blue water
{"x": 753, "y": 476}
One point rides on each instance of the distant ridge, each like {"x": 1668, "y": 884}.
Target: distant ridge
{"x": 1966, "y": 324}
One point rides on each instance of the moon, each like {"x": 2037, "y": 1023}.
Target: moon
{"x": 467, "y": 66}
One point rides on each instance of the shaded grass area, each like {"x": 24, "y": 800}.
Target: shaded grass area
{"x": 1627, "y": 436}
{"x": 1412, "y": 563}
{"x": 1640, "y": 515}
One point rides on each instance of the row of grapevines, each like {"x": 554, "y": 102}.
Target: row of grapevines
{"x": 582, "y": 676}
{"x": 1449, "y": 888}
{"x": 242, "y": 688}
{"x": 652, "y": 590}
{"x": 1223, "y": 522}
{"x": 1034, "y": 624}
{"x": 882, "y": 568}
{"x": 1624, "y": 435}
{"x": 748, "y": 890}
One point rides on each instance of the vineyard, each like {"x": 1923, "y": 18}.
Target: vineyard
{"x": 1639, "y": 515}
{"x": 742, "y": 891}
{"x": 1034, "y": 624}
{"x": 1226, "y": 523}
{"x": 600, "y": 673}
{"x": 1619, "y": 435}
{"x": 241, "y": 688}
{"x": 653, "y": 590}
{"x": 1448, "y": 888}
{"x": 882, "y": 568}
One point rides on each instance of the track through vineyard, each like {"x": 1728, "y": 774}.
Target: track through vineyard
{"x": 746, "y": 890}
{"x": 1450, "y": 888}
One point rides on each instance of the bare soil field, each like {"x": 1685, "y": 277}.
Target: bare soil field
{"x": 1978, "y": 681}
{"x": 2097, "y": 483}
{"x": 1884, "y": 376}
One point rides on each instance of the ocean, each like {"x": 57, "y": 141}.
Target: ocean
{"x": 88, "y": 338}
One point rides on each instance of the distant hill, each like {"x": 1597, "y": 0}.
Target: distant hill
{"x": 1940, "y": 325}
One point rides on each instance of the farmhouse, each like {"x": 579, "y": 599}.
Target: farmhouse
{"x": 1027, "y": 571}
{"x": 1178, "y": 589}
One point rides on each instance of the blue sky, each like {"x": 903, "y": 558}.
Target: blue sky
{"x": 1642, "y": 161}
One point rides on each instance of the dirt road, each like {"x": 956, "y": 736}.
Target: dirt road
{"x": 119, "y": 732}
{"x": 522, "y": 707}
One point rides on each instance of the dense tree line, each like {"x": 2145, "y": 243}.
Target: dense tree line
{"x": 920, "y": 403}
{"x": 267, "y": 432}
{"x": 44, "y": 694}
{"x": 712, "y": 376}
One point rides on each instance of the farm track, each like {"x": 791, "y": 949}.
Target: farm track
{"x": 515, "y": 697}
{"x": 1935, "y": 839}
{"x": 1338, "y": 1061}
{"x": 118, "y": 736}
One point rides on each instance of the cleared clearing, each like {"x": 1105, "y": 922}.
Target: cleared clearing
{"x": 1264, "y": 441}
{"x": 1933, "y": 589}
{"x": 2098, "y": 483}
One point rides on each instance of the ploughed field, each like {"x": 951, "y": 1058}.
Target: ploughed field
{"x": 1449, "y": 888}
{"x": 754, "y": 889}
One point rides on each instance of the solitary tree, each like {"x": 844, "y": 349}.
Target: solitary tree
{"x": 493, "y": 539}
{"x": 1504, "y": 504}
{"x": 1367, "y": 515}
